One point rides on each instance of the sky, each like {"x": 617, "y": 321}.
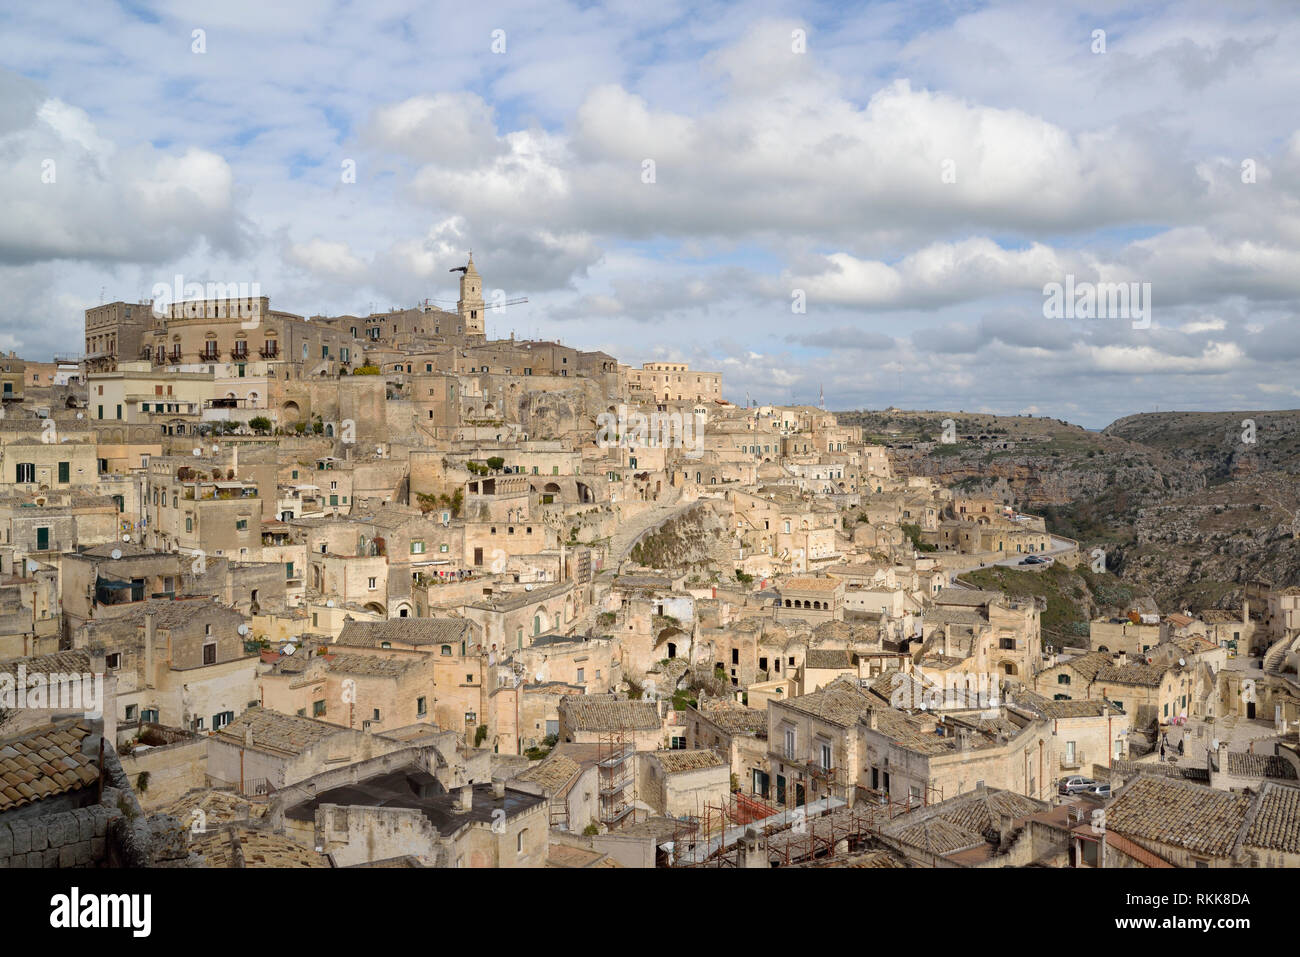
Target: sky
{"x": 871, "y": 200}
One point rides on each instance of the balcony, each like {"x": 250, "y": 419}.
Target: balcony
{"x": 239, "y": 354}
{"x": 269, "y": 351}
{"x": 1069, "y": 763}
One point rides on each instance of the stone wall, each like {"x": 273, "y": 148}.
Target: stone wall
{"x": 76, "y": 838}
{"x": 173, "y": 769}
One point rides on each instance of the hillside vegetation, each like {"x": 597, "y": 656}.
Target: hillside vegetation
{"x": 1187, "y": 506}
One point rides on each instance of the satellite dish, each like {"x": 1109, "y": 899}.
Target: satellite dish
{"x": 1181, "y": 662}
{"x": 80, "y": 416}
{"x": 528, "y": 588}
{"x": 289, "y": 649}
{"x": 242, "y": 629}
{"x": 329, "y": 603}
{"x": 126, "y": 538}
{"x": 116, "y": 553}
{"x": 32, "y": 566}
{"x": 539, "y": 677}
{"x": 198, "y": 452}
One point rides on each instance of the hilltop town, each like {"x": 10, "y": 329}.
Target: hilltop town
{"x": 357, "y": 591}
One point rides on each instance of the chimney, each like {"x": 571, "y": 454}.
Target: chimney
{"x": 1123, "y": 658}
{"x": 751, "y": 851}
{"x": 98, "y": 665}
{"x": 1245, "y": 611}
{"x": 234, "y": 460}
{"x": 465, "y": 798}
{"x": 248, "y": 736}
{"x": 498, "y": 788}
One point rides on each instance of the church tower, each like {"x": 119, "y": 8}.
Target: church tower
{"x": 470, "y": 307}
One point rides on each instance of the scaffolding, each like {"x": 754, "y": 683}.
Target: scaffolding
{"x": 817, "y": 831}
{"x": 616, "y": 778}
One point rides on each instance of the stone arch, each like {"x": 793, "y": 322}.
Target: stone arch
{"x": 290, "y": 411}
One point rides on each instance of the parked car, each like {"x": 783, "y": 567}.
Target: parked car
{"x": 1076, "y": 784}
{"x": 1100, "y": 790}
{"x": 1031, "y": 560}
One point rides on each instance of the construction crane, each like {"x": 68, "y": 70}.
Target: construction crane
{"x": 487, "y": 305}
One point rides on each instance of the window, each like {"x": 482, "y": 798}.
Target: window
{"x": 132, "y": 711}
{"x": 789, "y": 742}
{"x": 26, "y": 472}
{"x": 420, "y": 709}
{"x": 582, "y": 675}
{"x": 370, "y": 583}
{"x": 222, "y": 719}
{"x": 241, "y": 524}
{"x": 826, "y": 757}
{"x": 112, "y": 662}
{"x": 318, "y": 708}
{"x": 471, "y": 717}
{"x": 417, "y": 548}
{"x": 210, "y": 654}
{"x": 288, "y": 569}
{"x": 678, "y": 744}
{"x": 65, "y": 469}
{"x": 446, "y": 650}
{"x": 519, "y": 841}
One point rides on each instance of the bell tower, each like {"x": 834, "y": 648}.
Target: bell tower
{"x": 470, "y": 307}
